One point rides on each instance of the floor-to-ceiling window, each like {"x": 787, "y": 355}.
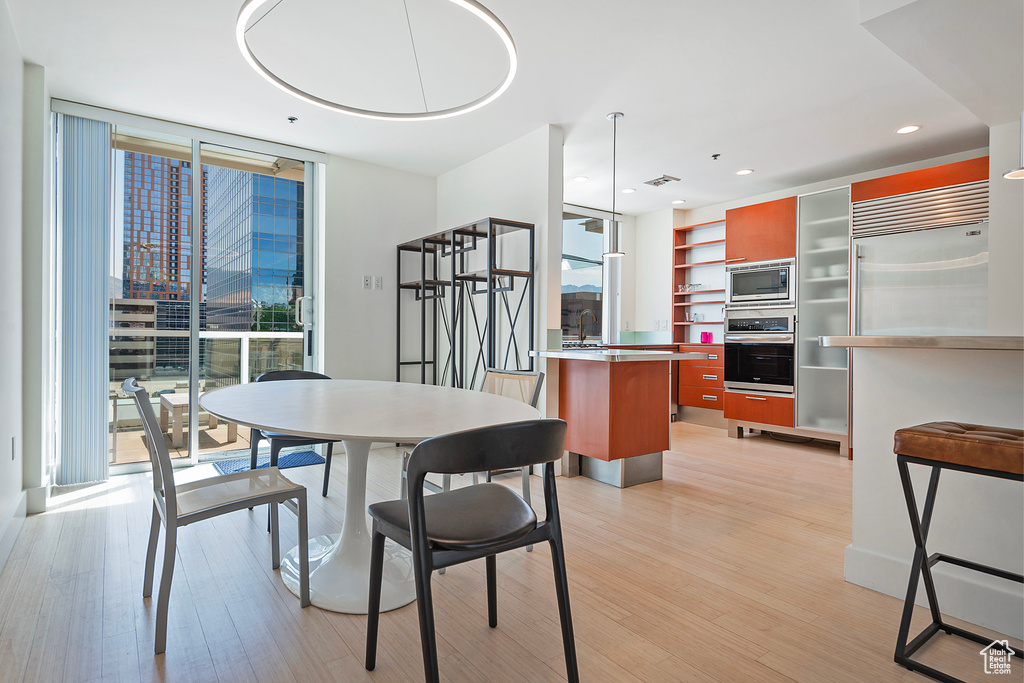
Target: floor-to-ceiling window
{"x": 207, "y": 278}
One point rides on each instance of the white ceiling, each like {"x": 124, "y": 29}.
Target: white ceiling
{"x": 796, "y": 89}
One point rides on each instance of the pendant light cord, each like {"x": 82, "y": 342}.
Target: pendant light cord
{"x": 264, "y": 15}
{"x": 615, "y": 137}
{"x": 415, "y": 56}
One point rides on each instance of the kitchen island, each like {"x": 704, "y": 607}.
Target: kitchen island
{"x": 615, "y": 402}
{"x": 901, "y": 381}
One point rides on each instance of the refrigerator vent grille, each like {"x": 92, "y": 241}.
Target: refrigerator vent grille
{"x": 938, "y": 208}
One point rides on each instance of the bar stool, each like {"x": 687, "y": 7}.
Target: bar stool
{"x": 988, "y": 451}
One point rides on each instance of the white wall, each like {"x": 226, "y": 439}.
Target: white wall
{"x": 11, "y": 98}
{"x": 37, "y": 283}
{"x": 1006, "y": 234}
{"x": 521, "y": 181}
{"x": 653, "y": 248}
{"x": 370, "y": 209}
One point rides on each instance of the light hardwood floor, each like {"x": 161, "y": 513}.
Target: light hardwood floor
{"x": 730, "y": 569}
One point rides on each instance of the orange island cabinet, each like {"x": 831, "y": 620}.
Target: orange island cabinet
{"x": 616, "y": 405}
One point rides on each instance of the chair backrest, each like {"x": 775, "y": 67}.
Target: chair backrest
{"x": 507, "y": 446}
{"x": 520, "y": 385}
{"x": 163, "y": 472}
{"x": 289, "y": 374}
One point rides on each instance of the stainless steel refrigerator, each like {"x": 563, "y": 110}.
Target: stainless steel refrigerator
{"x": 922, "y": 282}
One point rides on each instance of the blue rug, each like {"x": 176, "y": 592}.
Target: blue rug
{"x": 284, "y": 461}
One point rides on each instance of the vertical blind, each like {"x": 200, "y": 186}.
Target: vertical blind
{"x": 84, "y": 219}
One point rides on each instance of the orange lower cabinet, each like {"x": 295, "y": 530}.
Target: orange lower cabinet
{"x": 614, "y": 409}
{"x": 771, "y": 410}
{"x": 701, "y": 397}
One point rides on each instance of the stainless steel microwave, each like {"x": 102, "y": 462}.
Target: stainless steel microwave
{"x": 771, "y": 283}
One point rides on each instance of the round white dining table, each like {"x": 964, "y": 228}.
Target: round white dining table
{"x": 357, "y": 413}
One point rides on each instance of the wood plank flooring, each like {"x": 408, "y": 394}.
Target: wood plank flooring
{"x": 730, "y": 569}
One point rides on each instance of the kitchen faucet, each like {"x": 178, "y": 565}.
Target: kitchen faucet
{"x": 583, "y": 333}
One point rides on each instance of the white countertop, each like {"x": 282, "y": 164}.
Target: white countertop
{"x": 618, "y": 355}
{"x": 981, "y": 343}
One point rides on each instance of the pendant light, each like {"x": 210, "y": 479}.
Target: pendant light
{"x": 613, "y": 225}
{"x": 1018, "y": 173}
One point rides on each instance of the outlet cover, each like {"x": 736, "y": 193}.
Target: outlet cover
{"x": 378, "y": 282}
{"x": 367, "y": 281}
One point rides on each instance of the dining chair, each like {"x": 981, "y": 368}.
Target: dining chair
{"x": 520, "y": 385}
{"x": 279, "y": 441}
{"x": 471, "y": 522}
{"x": 175, "y": 506}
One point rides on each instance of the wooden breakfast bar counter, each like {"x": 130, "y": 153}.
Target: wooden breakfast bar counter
{"x": 615, "y": 402}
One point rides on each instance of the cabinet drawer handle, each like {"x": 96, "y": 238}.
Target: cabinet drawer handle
{"x": 755, "y": 398}
{"x": 709, "y": 376}
{"x": 712, "y": 356}
{"x": 709, "y": 398}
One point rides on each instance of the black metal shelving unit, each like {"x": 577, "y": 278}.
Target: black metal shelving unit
{"x": 454, "y": 270}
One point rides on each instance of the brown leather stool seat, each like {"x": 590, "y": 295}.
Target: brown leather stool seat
{"x": 987, "y": 448}
{"x": 975, "y": 449}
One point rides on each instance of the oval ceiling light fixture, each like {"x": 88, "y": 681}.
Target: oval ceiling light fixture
{"x": 908, "y": 129}
{"x": 745, "y": 171}
{"x": 250, "y": 7}
{"x": 628, "y": 190}
{"x": 580, "y": 179}
{"x": 678, "y": 201}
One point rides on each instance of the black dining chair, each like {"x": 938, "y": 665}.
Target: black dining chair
{"x": 473, "y": 522}
{"x": 279, "y": 441}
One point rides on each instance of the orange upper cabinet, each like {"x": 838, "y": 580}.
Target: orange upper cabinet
{"x": 761, "y": 232}
{"x": 957, "y": 173}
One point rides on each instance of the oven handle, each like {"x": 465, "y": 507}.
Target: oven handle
{"x": 761, "y": 338}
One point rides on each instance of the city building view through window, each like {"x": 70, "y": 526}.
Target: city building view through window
{"x": 236, "y": 255}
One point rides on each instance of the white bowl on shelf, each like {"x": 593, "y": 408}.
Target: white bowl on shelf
{"x": 832, "y": 242}
{"x": 837, "y": 270}
{"x": 818, "y": 271}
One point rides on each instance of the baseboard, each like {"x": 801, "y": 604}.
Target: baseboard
{"x": 992, "y": 603}
{"x": 10, "y": 526}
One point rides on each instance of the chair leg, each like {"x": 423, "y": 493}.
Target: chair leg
{"x": 564, "y": 613}
{"x": 154, "y": 536}
{"x": 373, "y": 603}
{"x": 275, "y": 450}
{"x": 327, "y": 467}
{"x": 404, "y": 487}
{"x": 275, "y": 537}
{"x": 254, "y": 447}
{"x": 446, "y": 485}
{"x": 526, "y": 495}
{"x": 425, "y": 606}
{"x": 492, "y": 591}
{"x": 170, "y": 539}
{"x": 303, "y": 551}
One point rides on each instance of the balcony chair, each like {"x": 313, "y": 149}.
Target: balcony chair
{"x": 279, "y": 441}
{"x": 470, "y": 523}
{"x": 176, "y": 506}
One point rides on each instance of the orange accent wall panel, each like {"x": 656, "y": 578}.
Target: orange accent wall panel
{"x": 771, "y": 410}
{"x": 614, "y": 410}
{"x": 761, "y": 232}
{"x": 957, "y": 173}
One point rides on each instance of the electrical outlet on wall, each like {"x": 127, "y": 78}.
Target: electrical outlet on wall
{"x": 378, "y": 282}
{"x": 366, "y": 281}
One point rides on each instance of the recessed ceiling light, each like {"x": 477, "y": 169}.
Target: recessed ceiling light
{"x": 628, "y": 190}
{"x": 580, "y": 179}
{"x": 679, "y": 201}
{"x": 907, "y": 129}
{"x": 745, "y": 171}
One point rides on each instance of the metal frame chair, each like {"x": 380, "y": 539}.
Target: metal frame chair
{"x": 177, "y": 506}
{"x": 279, "y": 441}
{"x": 472, "y": 522}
